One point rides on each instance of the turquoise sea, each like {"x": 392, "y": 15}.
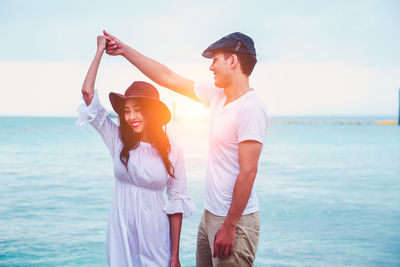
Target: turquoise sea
{"x": 329, "y": 194}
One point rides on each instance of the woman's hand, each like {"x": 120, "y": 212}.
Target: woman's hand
{"x": 114, "y": 47}
{"x": 102, "y": 42}
{"x": 175, "y": 262}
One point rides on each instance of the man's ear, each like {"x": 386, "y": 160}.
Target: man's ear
{"x": 234, "y": 61}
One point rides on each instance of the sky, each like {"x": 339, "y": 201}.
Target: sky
{"x": 315, "y": 58}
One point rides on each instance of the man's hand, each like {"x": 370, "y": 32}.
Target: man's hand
{"x": 114, "y": 46}
{"x": 224, "y": 242}
{"x": 175, "y": 262}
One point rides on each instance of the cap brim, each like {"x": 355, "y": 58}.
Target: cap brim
{"x": 207, "y": 54}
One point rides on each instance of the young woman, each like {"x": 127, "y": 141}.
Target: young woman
{"x": 143, "y": 228}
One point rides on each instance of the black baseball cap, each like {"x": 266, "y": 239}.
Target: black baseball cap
{"x": 236, "y": 42}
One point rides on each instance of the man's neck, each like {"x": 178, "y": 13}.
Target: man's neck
{"x": 236, "y": 89}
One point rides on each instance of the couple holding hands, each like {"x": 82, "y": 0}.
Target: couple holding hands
{"x": 144, "y": 228}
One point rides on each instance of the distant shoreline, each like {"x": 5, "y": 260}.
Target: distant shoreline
{"x": 278, "y": 117}
{"x": 274, "y": 120}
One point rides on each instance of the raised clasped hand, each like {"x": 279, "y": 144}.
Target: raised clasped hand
{"x": 101, "y": 42}
{"x": 114, "y": 46}
{"x": 224, "y": 242}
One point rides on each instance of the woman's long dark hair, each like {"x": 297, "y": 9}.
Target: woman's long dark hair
{"x": 154, "y": 130}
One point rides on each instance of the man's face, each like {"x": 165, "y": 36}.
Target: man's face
{"x": 221, "y": 70}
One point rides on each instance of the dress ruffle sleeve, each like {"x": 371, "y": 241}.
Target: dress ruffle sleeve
{"x": 179, "y": 200}
{"x": 97, "y": 116}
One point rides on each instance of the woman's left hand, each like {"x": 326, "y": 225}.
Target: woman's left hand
{"x": 101, "y": 42}
{"x": 175, "y": 262}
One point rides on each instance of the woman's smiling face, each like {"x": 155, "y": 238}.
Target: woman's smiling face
{"x": 133, "y": 115}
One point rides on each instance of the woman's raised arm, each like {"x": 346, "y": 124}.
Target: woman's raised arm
{"x": 88, "y": 84}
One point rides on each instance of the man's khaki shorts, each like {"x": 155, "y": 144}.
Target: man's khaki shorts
{"x": 247, "y": 234}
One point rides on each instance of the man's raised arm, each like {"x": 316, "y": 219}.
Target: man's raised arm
{"x": 156, "y": 71}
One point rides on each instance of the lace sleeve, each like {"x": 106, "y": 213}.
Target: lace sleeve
{"x": 96, "y": 115}
{"x": 179, "y": 200}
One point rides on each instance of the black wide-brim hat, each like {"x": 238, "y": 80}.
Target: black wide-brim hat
{"x": 143, "y": 91}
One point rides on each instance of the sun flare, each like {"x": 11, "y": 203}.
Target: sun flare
{"x": 189, "y": 110}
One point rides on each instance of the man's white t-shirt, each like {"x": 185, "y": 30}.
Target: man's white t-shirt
{"x": 238, "y": 121}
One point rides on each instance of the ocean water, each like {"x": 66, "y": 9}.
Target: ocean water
{"x": 329, "y": 194}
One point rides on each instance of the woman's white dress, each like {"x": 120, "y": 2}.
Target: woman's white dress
{"x": 138, "y": 225}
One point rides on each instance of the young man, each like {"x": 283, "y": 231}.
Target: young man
{"x": 229, "y": 229}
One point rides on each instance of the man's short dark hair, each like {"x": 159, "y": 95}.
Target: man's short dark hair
{"x": 247, "y": 62}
